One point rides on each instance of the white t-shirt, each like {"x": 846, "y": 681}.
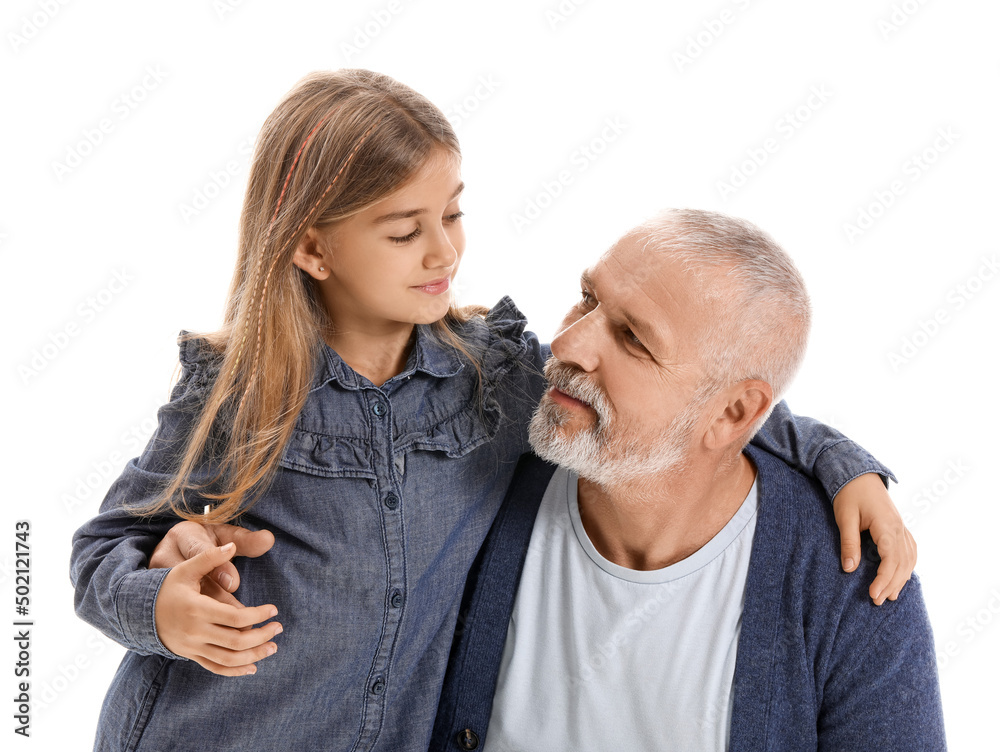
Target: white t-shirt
{"x": 600, "y": 657}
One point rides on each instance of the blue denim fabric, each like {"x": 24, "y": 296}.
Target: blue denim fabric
{"x": 816, "y": 449}
{"x": 382, "y": 501}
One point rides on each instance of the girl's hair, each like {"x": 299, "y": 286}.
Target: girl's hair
{"x": 339, "y": 142}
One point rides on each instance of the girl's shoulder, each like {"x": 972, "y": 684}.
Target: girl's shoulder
{"x": 500, "y": 337}
{"x": 200, "y": 364}
{"x": 504, "y": 322}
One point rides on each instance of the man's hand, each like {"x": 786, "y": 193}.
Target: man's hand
{"x": 217, "y": 636}
{"x": 864, "y": 504}
{"x": 185, "y": 540}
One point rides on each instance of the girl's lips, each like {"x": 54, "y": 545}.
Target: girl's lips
{"x": 436, "y": 287}
{"x": 564, "y": 399}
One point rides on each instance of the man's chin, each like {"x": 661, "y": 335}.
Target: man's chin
{"x": 554, "y": 442}
{"x": 582, "y": 452}
{"x": 564, "y": 457}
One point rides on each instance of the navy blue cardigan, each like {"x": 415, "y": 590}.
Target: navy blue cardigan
{"x": 818, "y": 666}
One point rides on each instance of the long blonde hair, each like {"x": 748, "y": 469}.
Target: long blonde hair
{"x": 337, "y": 143}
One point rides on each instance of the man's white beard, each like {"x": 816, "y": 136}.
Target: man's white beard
{"x": 607, "y": 453}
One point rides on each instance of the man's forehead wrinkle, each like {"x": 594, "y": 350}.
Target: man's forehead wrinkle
{"x": 644, "y": 280}
{"x": 664, "y": 300}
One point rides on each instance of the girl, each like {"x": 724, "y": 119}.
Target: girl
{"x": 348, "y": 407}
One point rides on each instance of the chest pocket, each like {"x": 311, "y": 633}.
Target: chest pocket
{"x": 328, "y": 456}
{"x": 351, "y": 457}
{"x": 455, "y": 436}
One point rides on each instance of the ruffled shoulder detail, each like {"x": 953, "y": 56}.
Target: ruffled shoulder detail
{"x": 200, "y": 363}
{"x": 510, "y": 361}
{"x": 506, "y": 319}
{"x": 501, "y": 340}
{"x": 506, "y": 346}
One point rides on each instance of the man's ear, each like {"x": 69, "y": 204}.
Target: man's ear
{"x": 740, "y": 407}
{"x": 312, "y": 255}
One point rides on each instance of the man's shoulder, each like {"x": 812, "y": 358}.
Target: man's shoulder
{"x": 797, "y": 551}
{"x": 527, "y": 486}
{"x": 791, "y": 500}
{"x": 813, "y": 637}
{"x": 797, "y": 540}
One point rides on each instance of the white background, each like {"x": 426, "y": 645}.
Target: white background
{"x": 530, "y": 86}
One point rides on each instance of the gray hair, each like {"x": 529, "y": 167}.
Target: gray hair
{"x": 762, "y": 317}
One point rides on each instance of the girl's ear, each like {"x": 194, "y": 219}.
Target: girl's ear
{"x": 311, "y": 255}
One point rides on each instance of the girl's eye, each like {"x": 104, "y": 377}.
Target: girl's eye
{"x": 405, "y": 238}
{"x": 413, "y": 235}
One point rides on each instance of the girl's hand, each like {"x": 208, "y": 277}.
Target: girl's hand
{"x": 217, "y": 636}
{"x": 185, "y": 540}
{"x": 864, "y": 504}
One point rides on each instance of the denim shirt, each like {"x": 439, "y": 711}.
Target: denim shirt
{"x": 381, "y": 502}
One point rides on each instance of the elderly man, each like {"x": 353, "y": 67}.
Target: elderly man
{"x": 678, "y": 589}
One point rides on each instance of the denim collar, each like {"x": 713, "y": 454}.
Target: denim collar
{"x": 429, "y": 355}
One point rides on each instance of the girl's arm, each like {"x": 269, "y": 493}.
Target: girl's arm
{"x": 115, "y": 591}
{"x": 856, "y": 482}
{"x": 157, "y": 611}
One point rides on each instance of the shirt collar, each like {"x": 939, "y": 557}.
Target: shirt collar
{"x": 429, "y": 355}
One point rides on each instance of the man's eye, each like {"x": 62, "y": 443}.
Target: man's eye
{"x": 632, "y": 339}
{"x": 586, "y": 298}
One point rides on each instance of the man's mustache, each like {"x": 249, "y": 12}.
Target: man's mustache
{"x": 574, "y": 382}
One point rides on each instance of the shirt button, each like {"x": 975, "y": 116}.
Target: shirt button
{"x": 379, "y": 409}
{"x": 396, "y": 599}
{"x": 378, "y": 686}
{"x": 391, "y": 501}
{"x": 467, "y": 739}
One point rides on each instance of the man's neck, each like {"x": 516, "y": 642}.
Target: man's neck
{"x": 655, "y": 524}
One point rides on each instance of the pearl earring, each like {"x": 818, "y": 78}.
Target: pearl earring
{"x": 322, "y": 269}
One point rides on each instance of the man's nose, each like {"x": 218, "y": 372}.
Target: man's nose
{"x": 578, "y": 343}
